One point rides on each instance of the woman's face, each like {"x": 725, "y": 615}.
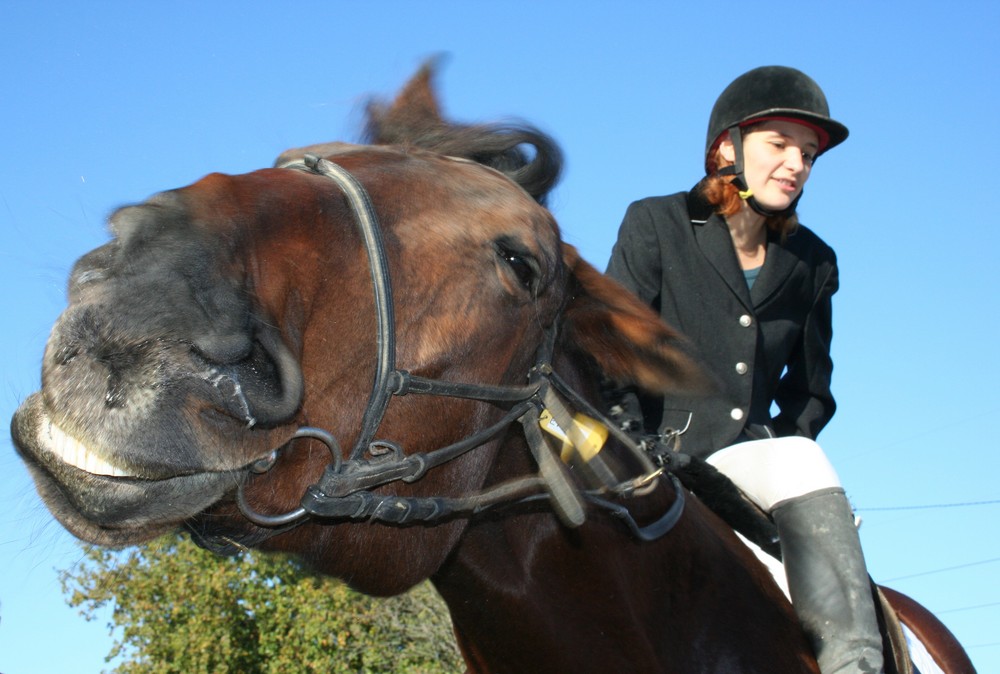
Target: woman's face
{"x": 777, "y": 159}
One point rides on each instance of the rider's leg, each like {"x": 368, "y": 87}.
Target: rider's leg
{"x": 828, "y": 581}
{"x": 792, "y": 479}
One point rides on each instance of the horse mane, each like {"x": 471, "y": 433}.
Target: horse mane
{"x": 522, "y": 152}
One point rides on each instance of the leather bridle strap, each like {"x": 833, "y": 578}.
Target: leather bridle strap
{"x": 367, "y": 221}
{"x": 343, "y": 491}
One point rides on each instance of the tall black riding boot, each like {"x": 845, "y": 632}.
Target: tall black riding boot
{"x": 829, "y": 583}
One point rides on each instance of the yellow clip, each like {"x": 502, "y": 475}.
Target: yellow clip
{"x": 590, "y": 436}
{"x": 745, "y": 194}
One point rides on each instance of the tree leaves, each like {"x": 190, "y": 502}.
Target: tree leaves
{"x": 178, "y": 608}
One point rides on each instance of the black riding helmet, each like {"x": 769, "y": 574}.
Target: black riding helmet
{"x": 769, "y": 92}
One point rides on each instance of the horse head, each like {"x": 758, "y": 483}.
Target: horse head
{"x": 224, "y": 316}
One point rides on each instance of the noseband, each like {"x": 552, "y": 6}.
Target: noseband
{"x": 344, "y": 490}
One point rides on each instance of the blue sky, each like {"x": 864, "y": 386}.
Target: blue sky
{"x": 105, "y": 103}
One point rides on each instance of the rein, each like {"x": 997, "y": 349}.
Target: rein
{"x": 344, "y": 490}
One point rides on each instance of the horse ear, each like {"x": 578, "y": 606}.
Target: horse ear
{"x": 413, "y": 112}
{"x": 627, "y": 339}
{"x": 414, "y": 118}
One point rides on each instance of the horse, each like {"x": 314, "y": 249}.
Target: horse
{"x": 382, "y": 358}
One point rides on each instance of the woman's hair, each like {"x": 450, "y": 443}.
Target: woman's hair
{"x": 721, "y": 193}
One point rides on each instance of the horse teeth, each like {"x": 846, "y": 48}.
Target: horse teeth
{"x": 72, "y": 451}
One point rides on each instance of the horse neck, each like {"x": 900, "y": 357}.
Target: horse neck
{"x": 519, "y": 580}
{"x": 528, "y": 594}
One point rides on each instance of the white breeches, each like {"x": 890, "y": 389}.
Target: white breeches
{"x": 773, "y": 470}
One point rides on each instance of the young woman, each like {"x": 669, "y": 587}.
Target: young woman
{"x": 728, "y": 265}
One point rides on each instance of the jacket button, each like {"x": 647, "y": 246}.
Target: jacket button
{"x": 745, "y": 320}
{"x": 736, "y": 414}
{"x": 741, "y": 368}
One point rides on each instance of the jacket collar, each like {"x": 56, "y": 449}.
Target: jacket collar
{"x": 699, "y": 210}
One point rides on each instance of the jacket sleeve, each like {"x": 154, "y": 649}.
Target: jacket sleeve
{"x": 804, "y": 397}
{"x": 635, "y": 259}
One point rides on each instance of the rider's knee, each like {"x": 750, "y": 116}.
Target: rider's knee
{"x": 773, "y": 470}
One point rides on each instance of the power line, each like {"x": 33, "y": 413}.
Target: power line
{"x": 949, "y": 568}
{"x": 967, "y": 608}
{"x": 993, "y": 643}
{"x": 931, "y": 506}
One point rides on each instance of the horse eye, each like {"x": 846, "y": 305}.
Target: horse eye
{"x": 525, "y": 275}
{"x": 523, "y": 266}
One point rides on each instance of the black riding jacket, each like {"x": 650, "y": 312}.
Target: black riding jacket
{"x": 766, "y": 345}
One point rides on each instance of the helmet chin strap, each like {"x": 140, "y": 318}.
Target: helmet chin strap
{"x": 739, "y": 181}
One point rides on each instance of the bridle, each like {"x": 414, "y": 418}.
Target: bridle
{"x": 345, "y": 489}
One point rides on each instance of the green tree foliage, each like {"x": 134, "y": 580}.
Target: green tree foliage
{"x": 178, "y": 608}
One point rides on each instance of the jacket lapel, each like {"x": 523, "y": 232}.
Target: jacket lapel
{"x": 713, "y": 239}
{"x": 778, "y": 265}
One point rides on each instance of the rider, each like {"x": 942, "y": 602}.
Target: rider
{"x": 728, "y": 265}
